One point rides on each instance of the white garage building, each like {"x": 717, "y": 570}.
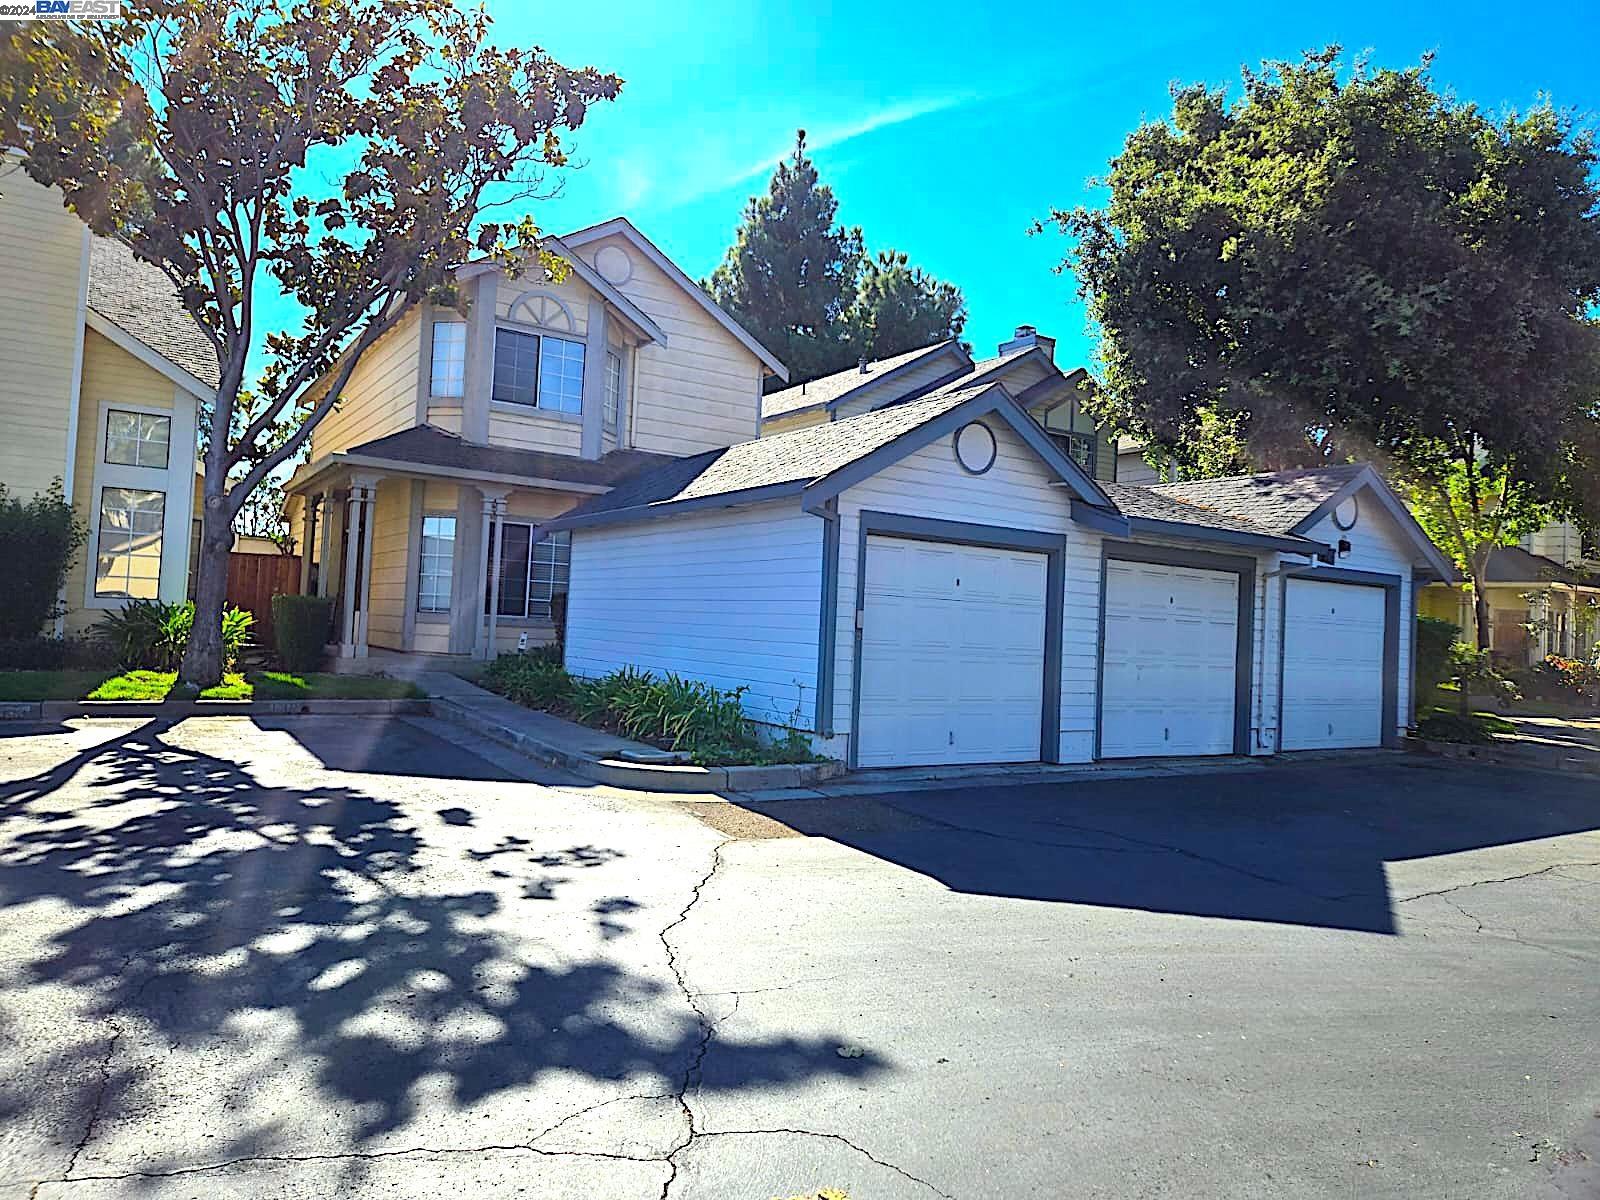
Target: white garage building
{"x": 936, "y": 582}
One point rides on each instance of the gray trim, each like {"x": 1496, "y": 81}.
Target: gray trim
{"x": 408, "y": 622}
{"x": 1368, "y": 477}
{"x": 932, "y": 385}
{"x": 872, "y": 381}
{"x": 993, "y": 399}
{"x": 955, "y": 448}
{"x": 926, "y": 529}
{"x": 1391, "y": 584}
{"x": 1153, "y": 527}
{"x": 1244, "y": 651}
{"x": 466, "y": 607}
{"x": 1042, "y": 390}
{"x": 1411, "y": 714}
{"x": 1106, "y": 521}
{"x": 644, "y": 512}
{"x": 828, "y": 618}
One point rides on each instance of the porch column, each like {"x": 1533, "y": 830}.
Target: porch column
{"x": 308, "y": 533}
{"x": 489, "y": 560}
{"x": 358, "y": 565}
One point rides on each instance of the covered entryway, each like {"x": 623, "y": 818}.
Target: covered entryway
{"x": 1333, "y": 665}
{"x": 1170, "y": 665}
{"x": 953, "y": 653}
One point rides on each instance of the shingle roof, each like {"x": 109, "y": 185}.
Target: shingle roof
{"x": 800, "y": 456}
{"x": 1136, "y": 500}
{"x": 984, "y": 365}
{"x": 1275, "y": 502}
{"x": 1513, "y": 564}
{"x": 841, "y": 383}
{"x": 428, "y": 445}
{"x": 138, "y": 299}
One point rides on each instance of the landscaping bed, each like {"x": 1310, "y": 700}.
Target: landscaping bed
{"x": 146, "y": 686}
{"x": 1440, "y": 724}
{"x": 683, "y": 715}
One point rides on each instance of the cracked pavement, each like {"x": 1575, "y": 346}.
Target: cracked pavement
{"x": 339, "y": 957}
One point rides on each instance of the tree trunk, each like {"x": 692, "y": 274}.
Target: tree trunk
{"x": 1480, "y": 613}
{"x": 202, "y": 660}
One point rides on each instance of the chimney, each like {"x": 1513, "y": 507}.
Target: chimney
{"x": 1027, "y": 335}
{"x": 862, "y": 364}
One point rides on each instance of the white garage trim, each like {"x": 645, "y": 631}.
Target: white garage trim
{"x": 1244, "y": 656}
{"x": 1052, "y": 546}
{"x": 1391, "y": 636}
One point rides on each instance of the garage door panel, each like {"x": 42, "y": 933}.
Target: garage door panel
{"x": 952, "y": 662}
{"x": 1333, "y": 657}
{"x": 1169, "y": 660}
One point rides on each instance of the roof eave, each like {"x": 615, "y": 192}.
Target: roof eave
{"x": 933, "y": 351}
{"x": 672, "y": 508}
{"x": 641, "y": 321}
{"x": 147, "y": 354}
{"x": 625, "y": 227}
{"x": 1392, "y": 504}
{"x": 340, "y": 459}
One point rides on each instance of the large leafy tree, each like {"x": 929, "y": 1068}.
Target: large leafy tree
{"x": 1346, "y": 263}
{"x": 344, "y": 154}
{"x": 806, "y": 288}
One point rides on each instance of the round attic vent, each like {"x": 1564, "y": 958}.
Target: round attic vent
{"x": 1344, "y": 516}
{"x": 975, "y": 447}
{"x": 613, "y": 264}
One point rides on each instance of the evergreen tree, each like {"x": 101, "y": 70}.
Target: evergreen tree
{"x": 807, "y": 290}
{"x": 790, "y": 276}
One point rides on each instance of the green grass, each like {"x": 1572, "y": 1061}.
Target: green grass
{"x": 155, "y": 685}
{"x": 1492, "y": 722}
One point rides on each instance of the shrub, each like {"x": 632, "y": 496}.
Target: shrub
{"x": 301, "y": 625}
{"x": 1434, "y": 639}
{"x": 54, "y": 654}
{"x": 1558, "y": 678}
{"x": 38, "y": 540}
{"x": 1463, "y": 728}
{"x": 153, "y": 634}
{"x": 705, "y": 722}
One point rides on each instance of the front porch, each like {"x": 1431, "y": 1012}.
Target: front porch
{"x": 411, "y": 536}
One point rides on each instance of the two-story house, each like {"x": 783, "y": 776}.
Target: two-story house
{"x": 104, "y": 374}
{"x": 460, "y": 432}
{"x": 1024, "y": 365}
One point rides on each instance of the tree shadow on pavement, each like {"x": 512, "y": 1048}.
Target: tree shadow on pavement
{"x": 201, "y": 904}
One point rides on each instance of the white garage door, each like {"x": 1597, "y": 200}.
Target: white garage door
{"x": 1332, "y": 666}
{"x": 952, "y": 654}
{"x": 1171, "y": 644}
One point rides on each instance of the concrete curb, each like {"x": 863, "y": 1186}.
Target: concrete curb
{"x": 638, "y": 777}
{"x": 64, "y": 710}
{"x": 1510, "y": 754}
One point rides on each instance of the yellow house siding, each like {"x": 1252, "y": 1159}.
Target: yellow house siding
{"x": 794, "y": 421}
{"x": 42, "y": 248}
{"x": 113, "y": 378}
{"x": 697, "y": 392}
{"x": 388, "y": 589}
{"x": 381, "y": 397}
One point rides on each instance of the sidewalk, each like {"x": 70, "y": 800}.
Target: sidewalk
{"x": 594, "y": 754}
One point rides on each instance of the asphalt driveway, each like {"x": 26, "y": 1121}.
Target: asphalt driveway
{"x": 320, "y": 957}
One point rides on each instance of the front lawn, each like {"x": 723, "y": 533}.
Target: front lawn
{"x": 155, "y": 685}
{"x": 1443, "y": 724}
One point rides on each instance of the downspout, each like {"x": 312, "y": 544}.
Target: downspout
{"x": 74, "y": 400}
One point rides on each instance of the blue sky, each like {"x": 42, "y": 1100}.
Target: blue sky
{"x": 946, "y": 129}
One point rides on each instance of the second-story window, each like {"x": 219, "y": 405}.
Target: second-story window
{"x": 1080, "y": 447}
{"x": 613, "y": 401}
{"x": 137, "y": 439}
{"x": 539, "y": 371}
{"x": 449, "y": 358}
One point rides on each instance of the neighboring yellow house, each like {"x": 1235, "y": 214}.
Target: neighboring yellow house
{"x": 1024, "y": 365}
{"x": 459, "y": 433}
{"x": 1543, "y": 595}
{"x": 102, "y": 373}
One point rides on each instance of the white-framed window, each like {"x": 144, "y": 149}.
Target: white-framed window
{"x": 437, "y": 563}
{"x": 128, "y": 545}
{"x": 138, "y": 439}
{"x": 449, "y": 361}
{"x": 537, "y": 370}
{"x": 531, "y": 572}
{"x": 613, "y": 401}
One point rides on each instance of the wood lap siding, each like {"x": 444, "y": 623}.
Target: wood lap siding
{"x": 41, "y": 249}
{"x": 386, "y": 605}
{"x": 904, "y": 383}
{"x": 697, "y": 392}
{"x": 381, "y": 397}
{"x": 728, "y": 597}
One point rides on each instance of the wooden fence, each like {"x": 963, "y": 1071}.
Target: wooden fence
{"x": 254, "y": 579}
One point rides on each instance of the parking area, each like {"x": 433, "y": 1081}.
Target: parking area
{"x": 340, "y": 957}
